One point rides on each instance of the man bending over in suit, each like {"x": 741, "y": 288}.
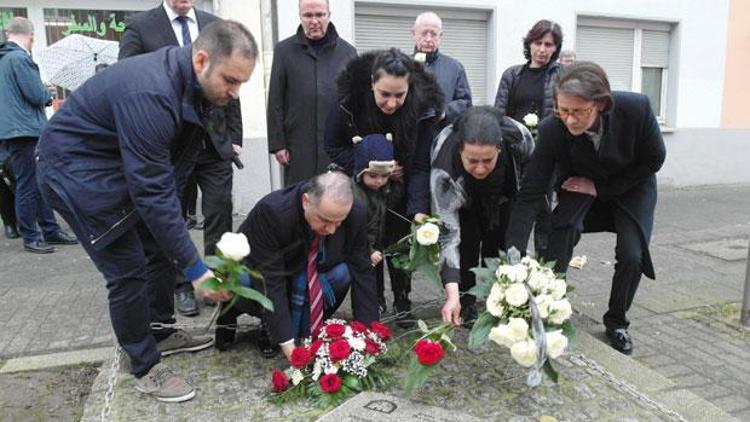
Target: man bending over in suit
{"x": 310, "y": 243}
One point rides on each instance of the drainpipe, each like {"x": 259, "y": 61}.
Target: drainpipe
{"x": 268, "y": 24}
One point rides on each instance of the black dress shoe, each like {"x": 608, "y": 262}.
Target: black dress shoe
{"x": 11, "y": 232}
{"x": 267, "y": 348}
{"x": 402, "y": 309}
{"x": 38, "y": 246}
{"x": 469, "y": 315}
{"x": 61, "y": 238}
{"x": 620, "y": 340}
{"x": 186, "y": 303}
{"x": 224, "y": 337}
{"x": 191, "y": 222}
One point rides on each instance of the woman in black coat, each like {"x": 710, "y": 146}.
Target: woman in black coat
{"x": 388, "y": 92}
{"x": 607, "y": 148}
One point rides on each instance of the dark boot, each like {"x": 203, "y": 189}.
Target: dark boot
{"x": 402, "y": 309}
{"x": 224, "y": 336}
{"x": 11, "y": 232}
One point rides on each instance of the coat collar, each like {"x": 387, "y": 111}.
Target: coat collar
{"x": 302, "y": 40}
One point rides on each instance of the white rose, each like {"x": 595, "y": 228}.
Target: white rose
{"x": 519, "y": 329}
{"x": 531, "y": 120}
{"x": 357, "y": 343}
{"x": 233, "y": 246}
{"x": 514, "y": 273}
{"x": 542, "y": 305}
{"x": 427, "y": 234}
{"x": 560, "y": 311}
{"x": 297, "y": 376}
{"x": 516, "y": 295}
{"x": 501, "y": 335}
{"x": 494, "y": 301}
{"x": 556, "y": 344}
{"x": 530, "y": 262}
{"x": 524, "y": 353}
{"x": 557, "y": 288}
{"x": 539, "y": 281}
{"x": 420, "y": 57}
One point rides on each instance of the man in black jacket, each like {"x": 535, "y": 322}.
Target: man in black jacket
{"x": 177, "y": 22}
{"x": 284, "y": 228}
{"x": 302, "y": 90}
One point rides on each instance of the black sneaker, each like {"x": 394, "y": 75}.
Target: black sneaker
{"x": 620, "y": 340}
{"x": 185, "y": 303}
{"x": 267, "y": 348}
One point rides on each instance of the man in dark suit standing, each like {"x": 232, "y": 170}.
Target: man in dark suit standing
{"x": 309, "y": 241}
{"x": 177, "y": 22}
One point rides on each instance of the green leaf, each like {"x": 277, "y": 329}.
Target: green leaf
{"x": 549, "y": 371}
{"x": 492, "y": 264}
{"x": 423, "y": 326}
{"x": 352, "y": 382}
{"x": 212, "y": 284}
{"x": 481, "y": 329}
{"x": 416, "y": 376}
{"x": 447, "y": 340}
{"x": 482, "y": 289}
{"x": 214, "y": 261}
{"x": 431, "y": 271}
{"x": 569, "y": 331}
{"x": 255, "y": 295}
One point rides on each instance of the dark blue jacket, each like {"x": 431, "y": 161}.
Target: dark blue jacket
{"x": 23, "y": 95}
{"x": 120, "y": 146}
{"x": 451, "y": 76}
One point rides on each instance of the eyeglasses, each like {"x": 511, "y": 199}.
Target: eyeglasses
{"x": 309, "y": 16}
{"x": 578, "y": 113}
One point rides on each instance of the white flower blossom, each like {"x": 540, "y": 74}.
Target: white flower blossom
{"x": 560, "y": 311}
{"x": 515, "y": 273}
{"x": 234, "y": 246}
{"x": 357, "y": 343}
{"x": 531, "y": 120}
{"x": 348, "y": 332}
{"x": 557, "y": 288}
{"x": 332, "y": 369}
{"x": 542, "y": 305}
{"x": 530, "y": 262}
{"x": 427, "y": 234}
{"x": 539, "y": 281}
{"x": 317, "y": 370}
{"x": 420, "y": 57}
{"x": 494, "y": 301}
{"x": 516, "y": 295}
{"x": 517, "y": 329}
{"x": 556, "y": 343}
{"x": 297, "y": 376}
{"x": 524, "y": 353}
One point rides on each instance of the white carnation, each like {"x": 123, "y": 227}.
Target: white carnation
{"x": 332, "y": 369}
{"x": 516, "y": 295}
{"x": 556, "y": 343}
{"x": 317, "y": 370}
{"x": 557, "y": 288}
{"x": 297, "y": 376}
{"x": 357, "y": 343}
{"x": 494, "y": 301}
{"x": 560, "y": 311}
{"x": 542, "y": 305}
{"x": 515, "y": 273}
{"x": 427, "y": 234}
{"x": 233, "y": 246}
{"x": 531, "y": 120}
{"x": 524, "y": 353}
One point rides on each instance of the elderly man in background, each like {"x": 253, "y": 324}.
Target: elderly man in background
{"x": 303, "y": 89}
{"x": 23, "y": 97}
{"x": 450, "y": 74}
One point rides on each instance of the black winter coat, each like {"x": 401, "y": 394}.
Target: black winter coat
{"x": 508, "y": 84}
{"x": 301, "y": 92}
{"x": 624, "y": 171}
{"x": 357, "y": 115}
{"x": 280, "y": 239}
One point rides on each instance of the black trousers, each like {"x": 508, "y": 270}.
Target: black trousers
{"x": 214, "y": 177}
{"x": 396, "y": 228}
{"x": 568, "y": 221}
{"x": 189, "y": 197}
{"x": 7, "y": 196}
{"x": 478, "y": 241}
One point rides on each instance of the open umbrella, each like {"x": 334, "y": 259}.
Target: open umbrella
{"x": 71, "y": 60}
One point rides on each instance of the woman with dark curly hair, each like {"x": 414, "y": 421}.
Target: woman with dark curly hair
{"x": 388, "y": 92}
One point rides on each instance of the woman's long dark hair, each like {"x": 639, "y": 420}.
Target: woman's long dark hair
{"x": 480, "y": 126}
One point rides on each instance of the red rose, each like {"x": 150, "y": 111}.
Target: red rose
{"x": 300, "y": 357}
{"x": 330, "y": 383}
{"x": 339, "y": 350}
{"x": 381, "y": 330}
{"x": 335, "y": 330}
{"x": 428, "y": 352}
{"x": 358, "y": 327}
{"x": 315, "y": 346}
{"x": 280, "y": 381}
{"x": 371, "y": 347}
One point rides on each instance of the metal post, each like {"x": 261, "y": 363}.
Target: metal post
{"x": 745, "y": 313}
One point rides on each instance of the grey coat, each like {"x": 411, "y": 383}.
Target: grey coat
{"x": 301, "y": 92}
{"x": 508, "y": 83}
{"x": 452, "y": 79}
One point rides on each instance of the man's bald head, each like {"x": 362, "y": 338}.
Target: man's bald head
{"x": 427, "y": 32}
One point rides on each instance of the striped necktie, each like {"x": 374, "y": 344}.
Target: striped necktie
{"x": 186, "y": 40}
{"x": 313, "y": 285}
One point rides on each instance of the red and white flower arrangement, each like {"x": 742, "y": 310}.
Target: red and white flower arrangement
{"x": 340, "y": 360}
{"x": 428, "y": 350}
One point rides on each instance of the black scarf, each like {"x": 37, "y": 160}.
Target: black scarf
{"x": 490, "y": 193}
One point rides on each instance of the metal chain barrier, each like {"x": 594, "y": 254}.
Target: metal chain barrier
{"x": 109, "y": 395}
{"x": 582, "y": 361}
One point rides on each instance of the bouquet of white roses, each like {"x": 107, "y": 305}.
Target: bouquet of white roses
{"x": 419, "y": 250}
{"x": 527, "y": 312}
{"x": 229, "y": 272}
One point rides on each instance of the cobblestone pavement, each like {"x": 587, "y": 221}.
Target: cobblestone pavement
{"x": 684, "y": 324}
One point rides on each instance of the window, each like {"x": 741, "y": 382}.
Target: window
{"x": 635, "y": 55}
{"x": 8, "y": 13}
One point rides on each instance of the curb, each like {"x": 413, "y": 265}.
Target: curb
{"x": 54, "y": 360}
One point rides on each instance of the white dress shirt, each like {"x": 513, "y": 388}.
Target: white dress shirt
{"x": 177, "y": 26}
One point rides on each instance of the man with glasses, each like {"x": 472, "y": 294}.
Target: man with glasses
{"x": 302, "y": 90}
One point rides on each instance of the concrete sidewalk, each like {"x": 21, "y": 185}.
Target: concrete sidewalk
{"x": 684, "y": 324}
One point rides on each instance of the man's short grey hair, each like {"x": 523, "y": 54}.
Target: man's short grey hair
{"x": 333, "y": 185}
{"x": 19, "y": 26}
{"x": 328, "y": 5}
{"x": 427, "y": 15}
{"x": 223, "y": 38}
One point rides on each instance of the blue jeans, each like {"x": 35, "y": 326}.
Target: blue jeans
{"x": 30, "y": 207}
{"x": 140, "y": 284}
